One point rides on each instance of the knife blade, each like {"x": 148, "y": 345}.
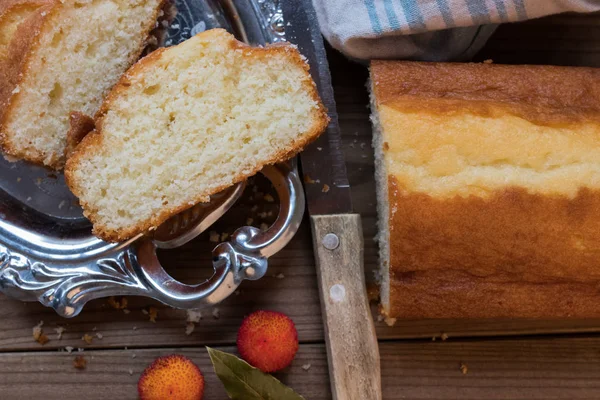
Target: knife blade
{"x": 303, "y": 31}
{"x": 352, "y": 348}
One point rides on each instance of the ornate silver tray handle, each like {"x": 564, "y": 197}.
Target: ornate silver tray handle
{"x": 66, "y": 272}
{"x": 48, "y": 254}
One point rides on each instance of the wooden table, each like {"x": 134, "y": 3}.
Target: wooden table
{"x": 506, "y": 359}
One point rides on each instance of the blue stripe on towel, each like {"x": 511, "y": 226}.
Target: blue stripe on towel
{"x": 391, "y": 14}
{"x": 446, "y": 13}
{"x": 501, "y": 10}
{"x": 521, "y": 11}
{"x": 479, "y": 12}
{"x": 375, "y": 24}
{"x": 413, "y": 14}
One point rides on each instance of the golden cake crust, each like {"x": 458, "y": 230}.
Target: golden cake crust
{"x": 93, "y": 141}
{"x": 510, "y": 252}
{"x": 539, "y": 93}
{"x": 13, "y": 62}
{"x": 514, "y": 254}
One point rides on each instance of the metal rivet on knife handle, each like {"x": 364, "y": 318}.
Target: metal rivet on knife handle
{"x": 331, "y": 241}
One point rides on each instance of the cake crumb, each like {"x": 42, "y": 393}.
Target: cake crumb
{"x": 249, "y": 221}
{"x": 488, "y": 61}
{"x": 463, "y": 368}
{"x": 264, "y": 227}
{"x": 69, "y": 349}
{"x": 99, "y": 335}
{"x": 79, "y": 362}
{"x": 308, "y": 179}
{"x": 444, "y": 336}
{"x": 213, "y": 237}
{"x": 254, "y": 208}
{"x": 380, "y": 318}
{"x": 126, "y": 311}
{"x": 133, "y": 355}
{"x": 134, "y": 328}
{"x": 39, "y": 335}
{"x": 306, "y": 367}
{"x": 117, "y": 304}
{"x": 87, "y": 338}
{"x": 224, "y": 236}
{"x": 94, "y": 329}
{"x": 59, "y": 332}
{"x": 390, "y": 321}
{"x": 130, "y": 371}
{"x": 280, "y": 275}
{"x": 193, "y": 315}
{"x": 216, "y": 313}
{"x": 325, "y": 188}
{"x": 189, "y": 328}
{"x": 152, "y": 313}
{"x": 269, "y": 198}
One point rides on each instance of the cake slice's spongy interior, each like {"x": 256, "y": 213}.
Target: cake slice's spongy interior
{"x": 464, "y": 153}
{"x": 192, "y": 121}
{"x": 84, "y": 48}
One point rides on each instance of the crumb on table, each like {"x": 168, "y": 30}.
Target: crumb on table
{"x": 79, "y": 362}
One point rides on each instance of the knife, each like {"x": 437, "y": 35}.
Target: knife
{"x": 352, "y": 350}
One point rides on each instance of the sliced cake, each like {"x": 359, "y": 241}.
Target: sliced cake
{"x": 489, "y": 189}
{"x": 61, "y": 57}
{"x": 188, "y": 121}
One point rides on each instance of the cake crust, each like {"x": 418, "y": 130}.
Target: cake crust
{"x": 506, "y": 252}
{"x": 514, "y": 254}
{"x": 539, "y": 93}
{"x": 93, "y": 142}
{"x": 13, "y": 64}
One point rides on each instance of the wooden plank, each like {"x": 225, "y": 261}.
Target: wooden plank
{"x": 550, "y": 368}
{"x": 113, "y": 374}
{"x": 496, "y": 369}
{"x": 290, "y": 287}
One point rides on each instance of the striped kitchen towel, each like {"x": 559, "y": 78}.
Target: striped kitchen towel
{"x": 432, "y": 30}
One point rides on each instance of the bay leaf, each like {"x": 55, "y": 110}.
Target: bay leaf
{"x": 244, "y": 382}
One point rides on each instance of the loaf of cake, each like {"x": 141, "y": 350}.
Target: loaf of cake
{"x": 59, "y": 57}
{"x": 187, "y": 122}
{"x": 488, "y": 189}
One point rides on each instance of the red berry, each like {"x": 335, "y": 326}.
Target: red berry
{"x": 268, "y": 340}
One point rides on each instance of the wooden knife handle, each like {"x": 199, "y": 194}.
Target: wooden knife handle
{"x": 352, "y": 350}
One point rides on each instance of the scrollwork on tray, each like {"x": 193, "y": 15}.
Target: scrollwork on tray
{"x": 64, "y": 288}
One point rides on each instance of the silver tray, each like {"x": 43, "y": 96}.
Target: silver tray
{"x": 47, "y": 251}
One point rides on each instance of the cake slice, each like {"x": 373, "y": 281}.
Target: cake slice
{"x": 60, "y": 57}
{"x": 189, "y": 121}
{"x": 488, "y": 183}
